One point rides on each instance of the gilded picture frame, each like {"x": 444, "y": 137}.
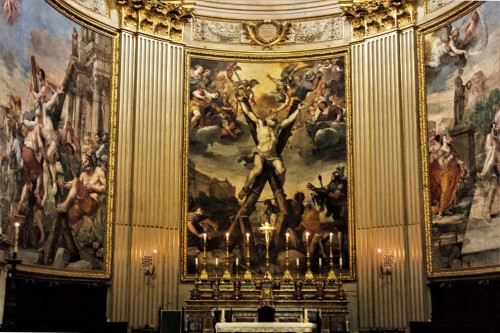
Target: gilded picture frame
{"x": 217, "y": 165}
{"x": 458, "y": 97}
{"x": 60, "y": 116}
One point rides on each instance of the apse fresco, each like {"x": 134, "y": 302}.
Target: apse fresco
{"x": 55, "y": 90}
{"x": 267, "y": 144}
{"x": 462, "y": 85}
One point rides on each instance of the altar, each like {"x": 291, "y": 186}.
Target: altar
{"x": 265, "y": 303}
{"x": 265, "y": 327}
{"x": 326, "y": 316}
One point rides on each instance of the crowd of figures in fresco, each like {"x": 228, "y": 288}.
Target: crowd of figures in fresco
{"x": 463, "y": 99}
{"x": 54, "y": 150}
{"x": 268, "y": 125}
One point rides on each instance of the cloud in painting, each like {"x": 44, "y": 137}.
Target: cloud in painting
{"x": 52, "y": 53}
{"x": 12, "y": 80}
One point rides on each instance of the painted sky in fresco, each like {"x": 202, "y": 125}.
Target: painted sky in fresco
{"x": 440, "y": 90}
{"x": 39, "y": 27}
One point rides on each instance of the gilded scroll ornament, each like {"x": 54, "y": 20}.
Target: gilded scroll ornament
{"x": 267, "y": 33}
{"x": 159, "y": 17}
{"x": 371, "y": 17}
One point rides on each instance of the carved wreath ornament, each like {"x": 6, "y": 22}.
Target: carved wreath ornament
{"x": 267, "y": 33}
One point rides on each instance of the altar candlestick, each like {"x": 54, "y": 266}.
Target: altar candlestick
{"x": 248, "y": 274}
{"x": 340, "y": 249}
{"x": 287, "y": 276}
{"x": 16, "y": 236}
{"x": 309, "y": 277}
{"x": 330, "y": 278}
{"x": 339, "y": 235}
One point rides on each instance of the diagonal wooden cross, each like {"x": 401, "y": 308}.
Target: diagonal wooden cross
{"x": 241, "y": 221}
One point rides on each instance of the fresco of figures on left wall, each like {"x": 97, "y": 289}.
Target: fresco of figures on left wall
{"x": 55, "y": 86}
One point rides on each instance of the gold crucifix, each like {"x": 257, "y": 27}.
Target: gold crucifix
{"x": 267, "y": 228}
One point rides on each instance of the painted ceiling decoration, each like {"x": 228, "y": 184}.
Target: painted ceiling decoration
{"x": 433, "y": 5}
{"x": 101, "y": 7}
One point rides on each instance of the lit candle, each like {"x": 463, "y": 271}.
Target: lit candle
{"x": 340, "y": 262}
{"x": 205, "y": 237}
{"x": 16, "y": 236}
{"x": 298, "y": 262}
{"x": 248, "y": 237}
{"x": 196, "y": 261}
{"x": 227, "y": 237}
{"x": 287, "y": 236}
{"x": 237, "y": 261}
{"x": 307, "y": 236}
{"x": 320, "y": 261}
{"x": 216, "y": 261}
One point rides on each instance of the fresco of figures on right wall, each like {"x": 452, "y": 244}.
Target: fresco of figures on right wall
{"x": 461, "y": 65}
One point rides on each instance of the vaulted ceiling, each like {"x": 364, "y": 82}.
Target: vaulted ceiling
{"x": 266, "y": 9}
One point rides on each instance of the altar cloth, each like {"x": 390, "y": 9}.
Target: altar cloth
{"x": 264, "y": 327}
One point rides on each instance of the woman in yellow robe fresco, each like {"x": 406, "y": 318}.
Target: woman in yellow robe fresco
{"x": 448, "y": 176}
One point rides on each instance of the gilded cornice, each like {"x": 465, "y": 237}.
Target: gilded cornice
{"x": 164, "y": 18}
{"x": 371, "y": 17}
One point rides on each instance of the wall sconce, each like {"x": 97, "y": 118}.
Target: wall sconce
{"x": 148, "y": 265}
{"x": 386, "y": 262}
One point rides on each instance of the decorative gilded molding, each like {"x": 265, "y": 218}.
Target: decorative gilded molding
{"x": 303, "y": 31}
{"x": 372, "y": 17}
{"x": 267, "y": 33}
{"x": 159, "y": 17}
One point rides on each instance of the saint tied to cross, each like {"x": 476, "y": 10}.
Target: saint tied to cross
{"x": 270, "y": 139}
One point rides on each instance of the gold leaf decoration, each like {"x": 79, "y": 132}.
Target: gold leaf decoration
{"x": 159, "y": 17}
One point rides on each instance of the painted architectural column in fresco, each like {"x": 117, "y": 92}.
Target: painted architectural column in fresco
{"x": 77, "y": 111}
{"x": 96, "y": 121}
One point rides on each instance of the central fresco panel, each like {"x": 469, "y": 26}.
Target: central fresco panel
{"x": 268, "y": 166}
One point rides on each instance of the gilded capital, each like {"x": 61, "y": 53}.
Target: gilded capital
{"x": 159, "y": 17}
{"x": 372, "y": 16}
